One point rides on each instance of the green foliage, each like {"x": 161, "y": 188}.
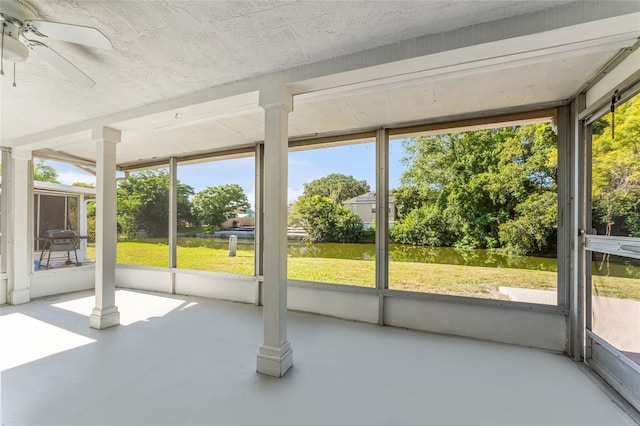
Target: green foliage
{"x": 214, "y": 205}
{"x": 534, "y": 225}
{"x": 326, "y": 221}
{"x": 336, "y": 187}
{"x": 406, "y": 199}
{"x": 368, "y": 235}
{"x": 461, "y": 189}
{"x": 616, "y": 172}
{"x": 43, "y": 172}
{"x": 143, "y": 204}
{"x": 422, "y": 226}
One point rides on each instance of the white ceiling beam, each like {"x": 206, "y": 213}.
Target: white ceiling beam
{"x": 462, "y": 69}
{"x": 553, "y": 24}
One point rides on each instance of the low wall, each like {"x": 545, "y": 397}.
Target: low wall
{"x": 527, "y": 325}
{"x": 233, "y": 287}
{"x": 62, "y": 280}
{"x": 539, "y": 329}
{"x": 334, "y": 300}
{"x": 539, "y": 326}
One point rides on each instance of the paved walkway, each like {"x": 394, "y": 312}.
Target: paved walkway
{"x": 615, "y": 320}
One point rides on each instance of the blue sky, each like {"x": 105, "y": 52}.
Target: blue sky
{"x": 357, "y": 160}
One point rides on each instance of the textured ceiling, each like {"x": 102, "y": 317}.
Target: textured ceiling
{"x": 366, "y": 109}
{"x": 366, "y": 65}
{"x": 163, "y": 49}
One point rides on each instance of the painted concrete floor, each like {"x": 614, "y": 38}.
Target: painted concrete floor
{"x": 191, "y": 361}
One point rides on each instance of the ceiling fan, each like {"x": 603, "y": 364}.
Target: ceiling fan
{"x": 19, "y": 24}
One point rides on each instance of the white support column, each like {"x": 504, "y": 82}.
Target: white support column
{"x": 275, "y": 355}
{"x": 22, "y": 217}
{"x": 105, "y": 314}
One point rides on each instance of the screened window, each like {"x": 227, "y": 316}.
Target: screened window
{"x": 330, "y": 237}
{"x": 54, "y": 212}
{"x": 143, "y": 218}
{"x": 474, "y": 213}
{"x": 216, "y": 202}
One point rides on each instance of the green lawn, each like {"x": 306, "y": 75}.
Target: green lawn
{"x": 458, "y": 280}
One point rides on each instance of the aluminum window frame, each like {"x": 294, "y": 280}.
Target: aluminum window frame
{"x": 559, "y": 113}
{"x": 620, "y": 372}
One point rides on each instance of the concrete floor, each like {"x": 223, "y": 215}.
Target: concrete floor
{"x": 191, "y": 361}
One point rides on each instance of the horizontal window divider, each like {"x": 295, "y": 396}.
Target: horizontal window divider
{"x": 474, "y": 301}
{"x": 143, "y": 267}
{"x": 219, "y": 274}
{"x": 329, "y": 140}
{"x": 337, "y": 287}
{"x": 198, "y": 157}
{"x": 485, "y": 120}
{"x": 614, "y": 351}
{"x": 618, "y": 246}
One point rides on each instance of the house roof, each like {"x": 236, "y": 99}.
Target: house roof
{"x": 60, "y": 188}
{"x": 184, "y": 77}
{"x": 369, "y": 197}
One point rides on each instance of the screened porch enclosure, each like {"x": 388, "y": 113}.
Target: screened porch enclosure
{"x": 466, "y": 183}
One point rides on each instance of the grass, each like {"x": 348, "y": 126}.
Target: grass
{"x": 471, "y": 281}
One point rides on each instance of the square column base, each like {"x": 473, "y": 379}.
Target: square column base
{"x": 104, "y": 318}
{"x": 275, "y": 361}
{"x": 18, "y": 297}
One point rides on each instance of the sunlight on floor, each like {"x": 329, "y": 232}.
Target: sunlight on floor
{"x": 133, "y": 306}
{"x": 31, "y": 339}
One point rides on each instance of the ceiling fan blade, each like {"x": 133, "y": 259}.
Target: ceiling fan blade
{"x": 88, "y": 36}
{"x": 61, "y": 64}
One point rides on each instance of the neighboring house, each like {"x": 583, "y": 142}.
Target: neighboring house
{"x": 243, "y": 219}
{"x": 365, "y": 206}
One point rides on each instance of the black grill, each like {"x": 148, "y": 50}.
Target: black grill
{"x": 59, "y": 240}
{"x": 60, "y": 234}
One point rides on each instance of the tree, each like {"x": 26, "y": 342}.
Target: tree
{"x": 616, "y": 172}
{"x": 534, "y": 225}
{"x": 143, "y": 203}
{"x": 336, "y": 187}
{"x": 43, "y": 172}
{"x": 214, "y": 205}
{"x": 324, "y": 220}
{"x": 425, "y": 226}
{"x": 461, "y": 189}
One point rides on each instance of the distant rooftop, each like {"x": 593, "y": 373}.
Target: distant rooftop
{"x": 369, "y": 197}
